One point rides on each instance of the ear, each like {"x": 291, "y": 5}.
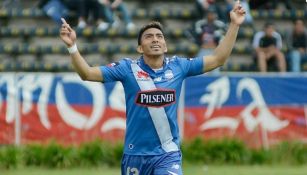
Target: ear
{"x": 139, "y": 49}
{"x": 165, "y": 49}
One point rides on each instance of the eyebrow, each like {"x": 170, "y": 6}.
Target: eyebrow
{"x": 159, "y": 34}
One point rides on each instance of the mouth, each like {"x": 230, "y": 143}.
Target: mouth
{"x": 155, "y": 47}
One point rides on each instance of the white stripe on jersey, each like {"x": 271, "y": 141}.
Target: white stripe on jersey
{"x": 158, "y": 115}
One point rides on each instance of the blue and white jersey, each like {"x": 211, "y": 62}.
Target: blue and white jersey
{"x": 151, "y": 101}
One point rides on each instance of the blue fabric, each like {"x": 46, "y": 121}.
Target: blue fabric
{"x": 124, "y": 13}
{"x": 296, "y": 59}
{"x": 121, "y": 8}
{"x": 165, "y": 164}
{"x": 56, "y": 10}
{"x": 141, "y": 135}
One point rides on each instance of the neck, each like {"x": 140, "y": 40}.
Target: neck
{"x": 154, "y": 62}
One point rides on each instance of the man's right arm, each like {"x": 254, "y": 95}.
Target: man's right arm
{"x": 86, "y": 72}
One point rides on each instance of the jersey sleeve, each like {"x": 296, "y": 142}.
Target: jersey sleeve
{"x": 191, "y": 66}
{"x": 114, "y": 71}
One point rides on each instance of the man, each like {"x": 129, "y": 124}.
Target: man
{"x": 109, "y": 8}
{"x": 297, "y": 45}
{"x": 210, "y": 31}
{"x": 203, "y": 6}
{"x": 268, "y": 45}
{"x": 152, "y": 85}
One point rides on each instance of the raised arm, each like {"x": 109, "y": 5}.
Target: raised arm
{"x": 86, "y": 72}
{"x": 223, "y": 50}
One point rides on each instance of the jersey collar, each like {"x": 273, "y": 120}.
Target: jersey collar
{"x": 148, "y": 68}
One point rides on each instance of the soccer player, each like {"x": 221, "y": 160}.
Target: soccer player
{"x": 152, "y": 85}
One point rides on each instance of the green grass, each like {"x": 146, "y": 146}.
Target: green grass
{"x": 245, "y": 170}
{"x": 188, "y": 170}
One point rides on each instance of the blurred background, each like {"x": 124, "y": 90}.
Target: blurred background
{"x": 249, "y": 115}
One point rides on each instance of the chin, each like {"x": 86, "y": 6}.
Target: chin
{"x": 157, "y": 54}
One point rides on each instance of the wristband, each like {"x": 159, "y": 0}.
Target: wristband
{"x": 73, "y": 49}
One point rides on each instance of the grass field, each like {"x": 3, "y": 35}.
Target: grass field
{"x": 188, "y": 170}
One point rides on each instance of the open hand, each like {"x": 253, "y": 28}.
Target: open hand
{"x": 67, "y": 34}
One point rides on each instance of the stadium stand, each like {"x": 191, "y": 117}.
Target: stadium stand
{"x": 29, "y": 40}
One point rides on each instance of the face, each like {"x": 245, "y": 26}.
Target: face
{"x": 299, "y": 26}
{"x": 152, "y": 43}
{"x": 211, "y": 16}
{"x": 269, "y": 30}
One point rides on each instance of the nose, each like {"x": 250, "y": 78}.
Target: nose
{"x": 155, "y": 39}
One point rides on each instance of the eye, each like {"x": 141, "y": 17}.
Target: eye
{"x": 160, "y": 36}
{"x": 148, "y": 36}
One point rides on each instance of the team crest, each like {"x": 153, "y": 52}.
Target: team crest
{"x": 169, "y": 74}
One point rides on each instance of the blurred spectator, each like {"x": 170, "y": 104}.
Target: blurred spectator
{"x": 10, "y": 3}
{"x": 272, "y": 4}
{"x": 92, "y": 8}
{"x": 248, "y": 17}
{"x": 202, "y": 7}
{"x": 55, "y": 9}
{"x": 268, "y": 45}
{"x": 297, "y": 45}
{"x": 210, "y": 30}
{"x": 110, "y": 6}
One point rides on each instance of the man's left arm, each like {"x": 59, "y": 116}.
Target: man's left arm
{"x": 223, "y": 50}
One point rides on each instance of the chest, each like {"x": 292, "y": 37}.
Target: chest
{"x": 299, "y": 40}
{"x": 267, "y": 41}
{"x": 170, "y": 78}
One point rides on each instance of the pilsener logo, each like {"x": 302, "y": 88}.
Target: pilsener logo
{"x": 156, "y": 98}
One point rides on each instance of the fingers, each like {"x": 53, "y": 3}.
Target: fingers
{"x": 241, "y": 11}
{"x": 238, "y": 8}
{"x": 66, "y": 25}
{"x": 63, "y": 21}
{"x": 64, "y": 31}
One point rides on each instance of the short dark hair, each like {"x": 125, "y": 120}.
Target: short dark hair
{"x": 153, "y": 24}
{"x": 268, "y": 24}
{"x": 297, "y": 19}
